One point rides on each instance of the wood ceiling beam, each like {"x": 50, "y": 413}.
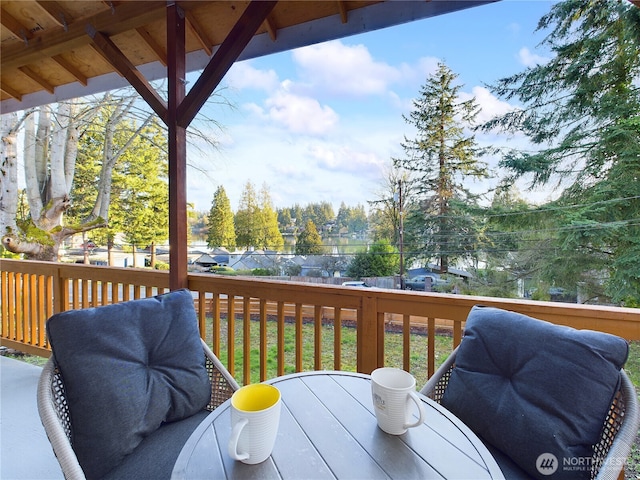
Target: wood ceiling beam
{"x": 127, "y": 16}
{"x": 38, "y": 79}
{"x": 343, "y": 11}
{"x": 226, "y": 54}
{"x": 56, "y": 12}
{"x": 121, "y": 64}
{"x": 10, "y": 91}
{"x": 14, "y": 26}
{"x": 270, "y": 25}
{"x": 72, "y": 69}
{"x": 199, "y": 33}
{"x": 153, "y": 45}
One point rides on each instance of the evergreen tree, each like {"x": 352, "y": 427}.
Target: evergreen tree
{"x": 440, "y": 159}
{"x": 143, "y": 206}
{"x": 308, "y": 241}
{"x": 284, "y": 218}
{"x": 380, "y": 260}
{"x": 247, "y": 218}
{"x": 221, "y": 230}
{"x": 271, "y": 238}
{"x": 582, "y": 110}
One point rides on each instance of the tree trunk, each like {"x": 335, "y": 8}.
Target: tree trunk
{"x": 153, "y": 255}
{"x": 8, "y": 174}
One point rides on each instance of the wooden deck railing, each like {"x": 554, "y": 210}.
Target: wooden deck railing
{"x": 294, "y": 326}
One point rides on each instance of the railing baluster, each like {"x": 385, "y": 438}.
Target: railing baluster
{"x": 406, "y": 342}
{"x": 74, "y": 293}
{"x": 337, "y": 338}
{"x": 215, "y": 313}
{"x": 317, "y": 350}
{"x": 457, "y": 333}
{"x": 231, "y": 334}
{"x": 298, "y": 337}
{"x": 32, "y": 315}
{"x": 431, "y": 346}
{"x": 263, "y": 340}
{"x": 41, "y": 317}
{"x": 20, "y": 310}
{"x": 246, "y": 339}
{"x": 11, "y": 321}
{"x": 281, "y": 325}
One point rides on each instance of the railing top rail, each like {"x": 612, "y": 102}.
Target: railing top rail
{"x": 426, "y": 304}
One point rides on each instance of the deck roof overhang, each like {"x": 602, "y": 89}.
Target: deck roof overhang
{"x": 58, "y": 50}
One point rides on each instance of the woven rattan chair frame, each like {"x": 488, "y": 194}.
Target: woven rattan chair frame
{"x": 54, "y": 409}
{"x": 618, "y": 432}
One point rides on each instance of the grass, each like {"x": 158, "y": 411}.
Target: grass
{"x": 393, "y": 349}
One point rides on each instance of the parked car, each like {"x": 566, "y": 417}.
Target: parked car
{"x": 355, "y": 283}
{"x": 418, "y": 282}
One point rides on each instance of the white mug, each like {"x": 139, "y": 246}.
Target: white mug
{"x": 393, "y": 391}
{"x": 255, "y": 416}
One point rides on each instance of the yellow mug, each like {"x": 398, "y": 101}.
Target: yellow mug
{"x": 255, "y": 416}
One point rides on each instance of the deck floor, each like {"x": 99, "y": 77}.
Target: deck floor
{"x": 25, "y": 452}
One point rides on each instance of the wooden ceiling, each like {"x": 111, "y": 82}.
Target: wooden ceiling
{"x": 48, "y": 51}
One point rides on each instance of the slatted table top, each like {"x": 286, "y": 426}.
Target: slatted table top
{"x": 328, "y": 429}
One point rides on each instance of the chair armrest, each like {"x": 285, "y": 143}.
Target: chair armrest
{"x": 619, "y": 432}
{"x": 437, "y": 384}
{"x": 53, "y": 411}
{"x": 222, "y": 383}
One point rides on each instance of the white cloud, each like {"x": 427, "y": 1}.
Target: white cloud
{"x": 242, "y": 75}
{"x": 491, "y": 106}
{"x": 530, "y": 59}
{"x": 347, "y": 159}
{"x": 343, "y": 70}
{"x": 300, "y": 114}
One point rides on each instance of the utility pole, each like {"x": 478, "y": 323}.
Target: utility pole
{"x": 401, "y": 232}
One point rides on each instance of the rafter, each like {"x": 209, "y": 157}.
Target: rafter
{"x": 56, "y": 12}
{"x": 153, "y": 45}
{"x": 343, "y": 11}
{"x": 10, "y": 91}
{"x": 69, "y": 67}
{"x": 14, "y": 26}
{"x": 199, "y": 32}
{"x": 37, "y": 78}
{"x": 270, "y": 25}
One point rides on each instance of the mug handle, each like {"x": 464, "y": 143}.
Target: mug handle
{"x": 418, "y": 402}
{"x": 233, "y": 441}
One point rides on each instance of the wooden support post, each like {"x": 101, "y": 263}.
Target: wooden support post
{"x": 176, "y": 59}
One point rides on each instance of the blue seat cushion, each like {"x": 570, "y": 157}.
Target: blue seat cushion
{"x": 155, "y": 456}
{"x": 536, "y": 391}
{"x": 128, "y": 368}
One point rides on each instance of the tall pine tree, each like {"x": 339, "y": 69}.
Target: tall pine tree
{"x": 221, "y": 229}
{"x": 440, "y": 159}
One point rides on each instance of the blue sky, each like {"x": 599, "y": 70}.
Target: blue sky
{"x": 321, "y": 123}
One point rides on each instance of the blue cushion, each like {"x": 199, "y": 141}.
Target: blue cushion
{"x": 128, "y": 368}
{"x": 529, "y": 388}
{"x": 156, "y": 455}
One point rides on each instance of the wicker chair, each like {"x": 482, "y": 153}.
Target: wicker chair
{"x": 54, "y": 410}
{"x": 619, "y": 430}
